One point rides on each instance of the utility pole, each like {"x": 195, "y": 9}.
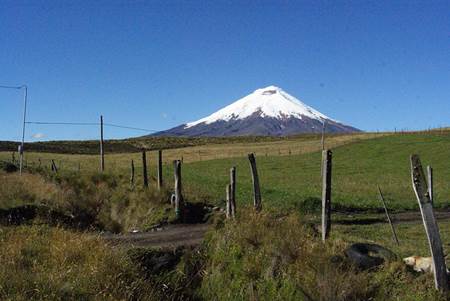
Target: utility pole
{"x": 25, "y": 96}
{"x": 102, "y": 154}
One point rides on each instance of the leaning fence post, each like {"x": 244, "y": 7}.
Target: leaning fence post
{"x": 431, "y": 227}
{"x": 430, "y": 183}
{"x": 132, "y": 174}
{"x": 144, "y": 168}
{"x": 54, "y": 168}
{"x": 326, "y": 193}
{"x": 233, "y": 191}
{"x": 179, "y": 202}
{"x": 388, "y": 216}
{"x": 256, "y": 189}
{"x": 160, "y": 175}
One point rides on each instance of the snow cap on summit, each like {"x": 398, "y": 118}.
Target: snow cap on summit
{"x": 270, "y": 101}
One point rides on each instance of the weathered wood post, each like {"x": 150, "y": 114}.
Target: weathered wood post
{"x": 388, "y": 216}
{"x": 54, "y": 168}
{"x": 256, "y": 189}
{"x": 160, "y": 174}
{"x": 132, "y": 174}
{"x": 102, "y": 154}
{"x": 144, "y": 169}
{"x": 40, "y": 163}
{"x": 228, "y": 202}
{"x": 233, "y": 191}
{"x": 430, "y": 183}
{"x": 179, "y": 201}
{"x": 431, "y": 227}
{"x": 326, "y": 193}
{"x": 323, "y": 134}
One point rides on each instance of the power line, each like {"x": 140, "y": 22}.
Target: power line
{"x": 11, "y": 87}
{"x": 62, "y": 123}
{"x": 129, "y": 127}
{"x": 91, "y": 124}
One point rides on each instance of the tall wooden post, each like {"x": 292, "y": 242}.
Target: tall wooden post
{"x": 326, "y": 193}
{"x": 323, "y": 134}
{"x": 256, "y": 189}
{"x": 179, "y": 202}
{"x": 144, "y": 168}
{"x": 228, "y": 202}
{"x": 233, "y": 191}
{"x": 132, "y": 174}
{"x": 431, "y": 227}
{"x": 160, "y": 175}
{"x": 430, "y": 183}
{"x": 388, "y": 216}
{"x": 102, "y": 154}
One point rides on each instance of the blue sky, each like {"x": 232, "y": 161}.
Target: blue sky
{"x": 376, "y": 65}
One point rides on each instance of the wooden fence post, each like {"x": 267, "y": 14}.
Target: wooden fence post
{"x": 54, "y": 168}
{"x": 323, "y": 134}
{"x": 144, "y": 168}
{"x": 388, "y": 216}
{"x": 160, "y": 175}
{"x": 179, "y": 202}
{"x": 326, "y": 193}
{"x": 228, "y": 202}
{"x": 102, "y": 154}
{"x": 132, "y": 174}
{"x": 430, "y": 183}
{"x": 431, "y": 227}
{"x": 233, "y": 191}
{"x": 256, "y": 189}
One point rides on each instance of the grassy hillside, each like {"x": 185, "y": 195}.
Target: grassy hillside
{"x": 287, "y": 181}
{"x": 266, "y": 256}
{"x": 136, "y": 144}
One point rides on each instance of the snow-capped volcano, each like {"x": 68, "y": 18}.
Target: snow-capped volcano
{"x": 267, "y": 111}
{"x": 268, "y": 102}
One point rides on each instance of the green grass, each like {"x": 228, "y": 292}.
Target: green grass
{"x": 358, "y": 168}
{"x": 263, "y": 257}
{"x": 270, "y": 256}
{"x": 359, "y": 165}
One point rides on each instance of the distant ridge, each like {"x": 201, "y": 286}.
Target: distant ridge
{"x": 268, "y": 111}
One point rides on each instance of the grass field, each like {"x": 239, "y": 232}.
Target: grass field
{"x": 274, "y": 255}
{"x": 358, "y": 168}
{"x": 360, "y": 163}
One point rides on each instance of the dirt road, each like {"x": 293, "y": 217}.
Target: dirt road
{"x": 167, "y": 237}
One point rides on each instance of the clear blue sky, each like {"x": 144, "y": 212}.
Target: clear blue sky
{"x": 156, "y": 64}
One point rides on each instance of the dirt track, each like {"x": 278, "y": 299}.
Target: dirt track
{"x": 172, "y": 236}
{"x": 402, "y": 217}
{"x": 167, "y": 237}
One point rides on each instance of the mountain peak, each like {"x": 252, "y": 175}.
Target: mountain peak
{"x": 270, "y": 90}
{"x": 270, "y": 101}
{"x": 266, "y": 111}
